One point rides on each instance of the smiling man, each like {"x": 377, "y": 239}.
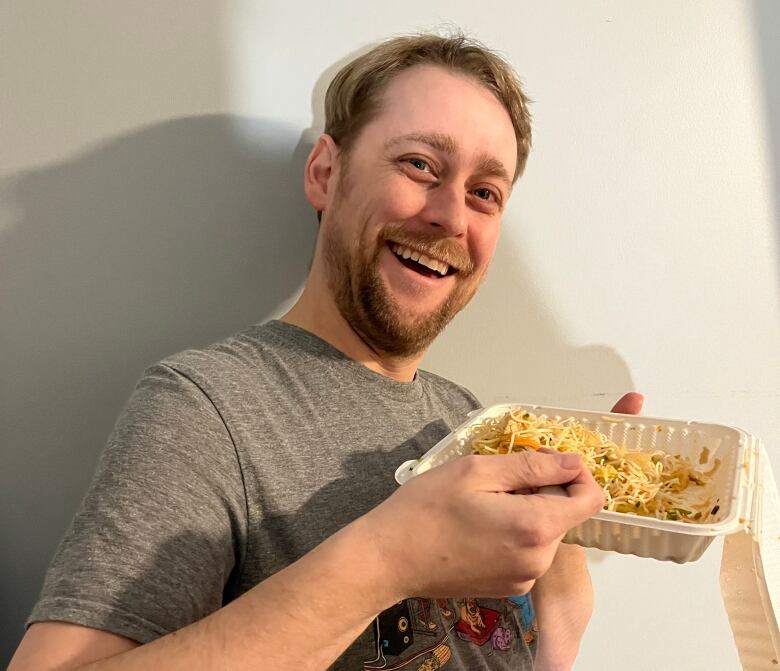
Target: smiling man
{"x": 244, "y": 514}
{"x": 411, "y": 214}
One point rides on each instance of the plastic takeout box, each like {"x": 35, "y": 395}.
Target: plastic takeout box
{"x": 733, "y": 485}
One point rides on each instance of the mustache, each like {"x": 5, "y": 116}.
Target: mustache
{"x": 430, "y": 244}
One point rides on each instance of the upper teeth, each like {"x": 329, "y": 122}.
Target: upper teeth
{"x": 406, "y": 253}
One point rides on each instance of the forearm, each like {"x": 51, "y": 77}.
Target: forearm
{"x": 563, "y": 599}
{"x": 303, "y": 617}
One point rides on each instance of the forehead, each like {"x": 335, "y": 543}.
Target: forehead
{"x": 427, "y": 99}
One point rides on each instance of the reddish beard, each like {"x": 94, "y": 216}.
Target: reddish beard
{"x": 367, "y": 306}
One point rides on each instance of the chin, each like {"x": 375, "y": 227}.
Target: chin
{"x": 416, "y": 318}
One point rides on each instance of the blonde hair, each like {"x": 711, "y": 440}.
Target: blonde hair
{"x": 353, "y": 97}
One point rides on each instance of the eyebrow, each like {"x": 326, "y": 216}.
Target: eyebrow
{"x": 440, "y": 141}
{"x": 486, "y": 164}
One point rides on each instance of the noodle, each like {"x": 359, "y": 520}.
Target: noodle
{"x": 651, "y": 484}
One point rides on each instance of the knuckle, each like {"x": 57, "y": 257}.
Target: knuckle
{"x": 532, "y": 535}
{"x": 540, "y": 533}
{"x": 531, "y": 465}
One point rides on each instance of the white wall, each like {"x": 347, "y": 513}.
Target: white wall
{"x": 149, "y": 168}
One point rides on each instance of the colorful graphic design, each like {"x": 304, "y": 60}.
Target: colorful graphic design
{"x": 439, "y": 657}
{"x": 424, "y": 634}
{"x": 424, "y": 622}
{"x": 394, "y": 630}
{"x": 525, "y": 605}
{"x": 476, "y": 624}
{"x": 502, "y": 639}
{"x": 527, "y": 612}
{"x": 444, "y": 608}
{"x": 397, "y": 643}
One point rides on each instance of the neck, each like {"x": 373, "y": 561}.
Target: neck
{"x": 317, "y": 312}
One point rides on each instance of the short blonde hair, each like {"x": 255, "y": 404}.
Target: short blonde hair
{"x": 353, "y": 97}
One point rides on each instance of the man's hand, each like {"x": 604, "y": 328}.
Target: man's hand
{"x": 564, "y": 596}
{"x": 461, "y": 530}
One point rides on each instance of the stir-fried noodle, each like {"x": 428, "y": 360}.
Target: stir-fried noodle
{"x": 653, "y": 484}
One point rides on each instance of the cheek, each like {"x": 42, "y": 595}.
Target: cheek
{"x": 401, "y": 199}
{"x": 483, "y": 238}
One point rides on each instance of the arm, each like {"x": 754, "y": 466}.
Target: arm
{"x": 263, "y": 627}
{"x": 288, "y": 620}
{"x": 563, "y": 597}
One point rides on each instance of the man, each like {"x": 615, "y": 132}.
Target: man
{"x": 243, "y": 514}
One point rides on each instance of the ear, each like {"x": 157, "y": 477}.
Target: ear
{"x": 319, "y": 171}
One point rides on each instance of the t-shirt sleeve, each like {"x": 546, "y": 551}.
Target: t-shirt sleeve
{"x": 161, "y": 530}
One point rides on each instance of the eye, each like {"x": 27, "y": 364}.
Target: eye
{"x": 420, "y": 164}
{"x": 486, "y": 194}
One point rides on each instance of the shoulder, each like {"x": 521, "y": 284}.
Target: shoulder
{"x": 447, "y": 389}
{"x": 226, "y": 359}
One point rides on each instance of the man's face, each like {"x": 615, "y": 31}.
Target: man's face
{"x": 415, "y": 216}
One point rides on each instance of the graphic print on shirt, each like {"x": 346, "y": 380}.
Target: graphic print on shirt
{"x": 395, "y": 637}
{"x": 424, "y": 622}
{"x": 528, "y": 624}
{"x": 394, "y": 629}
{"x": 423, "y": 634}
{"x": 476, "y": 624}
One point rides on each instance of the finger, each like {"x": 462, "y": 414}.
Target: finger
{"x": 523, "y": 470}
{"x": 556, "y": 514}
{"x": 559, "y": 514}
{"x": 552, "y": 490}
{"x": 629, "y": 404}
{"x": 585, "y": 492}
{"x": 584, "y": 479}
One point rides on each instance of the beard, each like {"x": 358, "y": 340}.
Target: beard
{"x": 364, "y": 301}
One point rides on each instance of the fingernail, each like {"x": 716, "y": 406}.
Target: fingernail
{"x": 568, "y": 460}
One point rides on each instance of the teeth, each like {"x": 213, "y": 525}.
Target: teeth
{"x": 406, "y": 253}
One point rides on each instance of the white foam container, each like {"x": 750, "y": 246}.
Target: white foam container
{"x": 733, "y": 483}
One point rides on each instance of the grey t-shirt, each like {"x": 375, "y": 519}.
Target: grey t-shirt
{"x": 231, "y": 462}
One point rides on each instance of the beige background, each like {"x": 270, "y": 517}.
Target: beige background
{"x": 150, "y": 160}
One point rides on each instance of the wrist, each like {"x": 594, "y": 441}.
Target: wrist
{"x": 368, "y": 555}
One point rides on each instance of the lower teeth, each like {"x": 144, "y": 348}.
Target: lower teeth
{"x": 418, "y": 267}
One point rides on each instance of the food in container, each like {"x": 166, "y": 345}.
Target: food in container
{"x": 718, "y": 461}
{"x": 651, "y": 484}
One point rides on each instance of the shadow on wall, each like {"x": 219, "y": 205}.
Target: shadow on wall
{"x": 766, "y": 18}
{"x": 169, "y": 237}
{"x": 510, "y": 347}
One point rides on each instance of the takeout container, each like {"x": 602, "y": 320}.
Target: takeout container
{"x": 733, "y": 485}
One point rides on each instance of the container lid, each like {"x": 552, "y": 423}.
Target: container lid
{"x": 750, "y": 573}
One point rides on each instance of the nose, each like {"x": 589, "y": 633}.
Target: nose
{"x": 446, "y": 209}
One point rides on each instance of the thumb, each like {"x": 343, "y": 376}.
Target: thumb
{"x": 529, "y": 469}
{"x": 629, "y": 404}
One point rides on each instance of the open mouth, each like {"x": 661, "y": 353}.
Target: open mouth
{"x": 420, "y": 263}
